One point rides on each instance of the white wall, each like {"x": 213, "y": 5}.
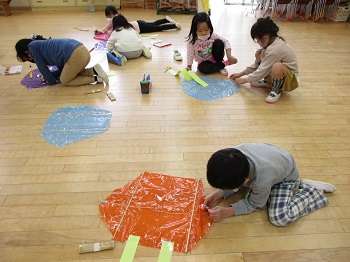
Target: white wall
{"x": 20, "y": 3}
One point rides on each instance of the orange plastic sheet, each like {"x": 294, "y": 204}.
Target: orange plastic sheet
{"x": 158, "y": 208}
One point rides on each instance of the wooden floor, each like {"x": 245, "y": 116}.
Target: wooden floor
{"x": 49, "y": 195}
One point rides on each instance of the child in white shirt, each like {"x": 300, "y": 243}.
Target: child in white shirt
{"x": 125, "y": 40}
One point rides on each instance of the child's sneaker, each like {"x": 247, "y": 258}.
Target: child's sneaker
{"x": 91, "y": 9}
{"x": 224, "y": 72}
{"x": 101, "y": 74}
{"x": 261, "y": 83}
{"x": 326, "y": 187}
{"x": 177, "y": 55}
{"x": 272, "y": 97}
{"x": 170, "y": 20}
{"x": 146, "y": 52}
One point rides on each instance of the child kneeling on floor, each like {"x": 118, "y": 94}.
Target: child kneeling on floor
{"x": 271, "y": 175}
{"x": 125, "y": 40}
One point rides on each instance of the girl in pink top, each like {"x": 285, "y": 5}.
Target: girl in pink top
{"x": 110, "y": 12}
{"x": 207, "y": 48}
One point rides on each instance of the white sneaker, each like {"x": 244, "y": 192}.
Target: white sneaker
{"x": 101, "y": 74}
{"x": 326, "y": 187}
{"x": 146, "y": 52}
{"x": 170, "y": 20}
{"x": 261, "y": 83}
{"x": 224, "y": 72}
{"x": 177, "y": 55}
{"x": 272, "y": 97}
{"x": 178, "y": 25}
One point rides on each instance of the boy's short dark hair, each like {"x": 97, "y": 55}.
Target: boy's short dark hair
{"x": 227, "y": 169}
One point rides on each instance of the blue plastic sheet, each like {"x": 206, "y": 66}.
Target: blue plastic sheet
{"x": 216, "y": 89}
{"x": 71, "y": 124}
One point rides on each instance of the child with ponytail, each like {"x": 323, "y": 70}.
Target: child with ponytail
{"x": 276, "y": 64}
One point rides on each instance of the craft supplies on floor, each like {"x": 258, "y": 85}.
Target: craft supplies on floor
{"x": 11, "y": 70}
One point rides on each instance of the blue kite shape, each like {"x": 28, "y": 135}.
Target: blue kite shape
{"x": 216, "y": 89}
{"x": 71, "y": 124}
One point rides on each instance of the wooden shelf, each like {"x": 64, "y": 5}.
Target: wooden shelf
{"x": 168, "y": 11}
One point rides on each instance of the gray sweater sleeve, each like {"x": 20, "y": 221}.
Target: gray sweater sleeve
{"x": 278, "y": 51}
{"x": 256, "y": 200}
{"x": 226, "y": 193}
{"x": 269, "y": 165}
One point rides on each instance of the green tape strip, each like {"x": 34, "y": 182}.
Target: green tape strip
{"x": 188, "y": 75}
{"x": 166, "y": 251}
{"x": 130, "y": 249}
{"x": 149, "y": 35}
{"x": 111, "y": 73}
{"x": 173, "y": 72}
{"x": 197, "y": 79}
{"x": 247, "y": 194}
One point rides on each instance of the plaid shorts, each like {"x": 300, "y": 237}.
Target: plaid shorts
{"x": 290, "y": 200}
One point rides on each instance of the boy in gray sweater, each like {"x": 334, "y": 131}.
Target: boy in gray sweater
{"x": 271, "y": 175}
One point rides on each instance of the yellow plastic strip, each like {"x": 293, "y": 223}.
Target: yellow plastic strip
{"x": 166, "y": 251}
{"x": 149, "y": 35}
{"x": 186, "y": 74}
{"x": 130, "y": 249}
{"x": 173, "y": 72}
{"x": 112, "y": 73}
{"x": 197, "y": 79}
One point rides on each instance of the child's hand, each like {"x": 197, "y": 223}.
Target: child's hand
{"x": 240, "y": 80}
{"x": 98, "y": 32}
{"x": 211, "y": 199}
{"x": 41, "y": 78}
{"x": 233, "y": 60}
{"x": 236, "y": 75}
{"x": 219, "y": 213}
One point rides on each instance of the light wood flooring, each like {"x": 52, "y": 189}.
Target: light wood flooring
{"x": 49, "y": 195}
